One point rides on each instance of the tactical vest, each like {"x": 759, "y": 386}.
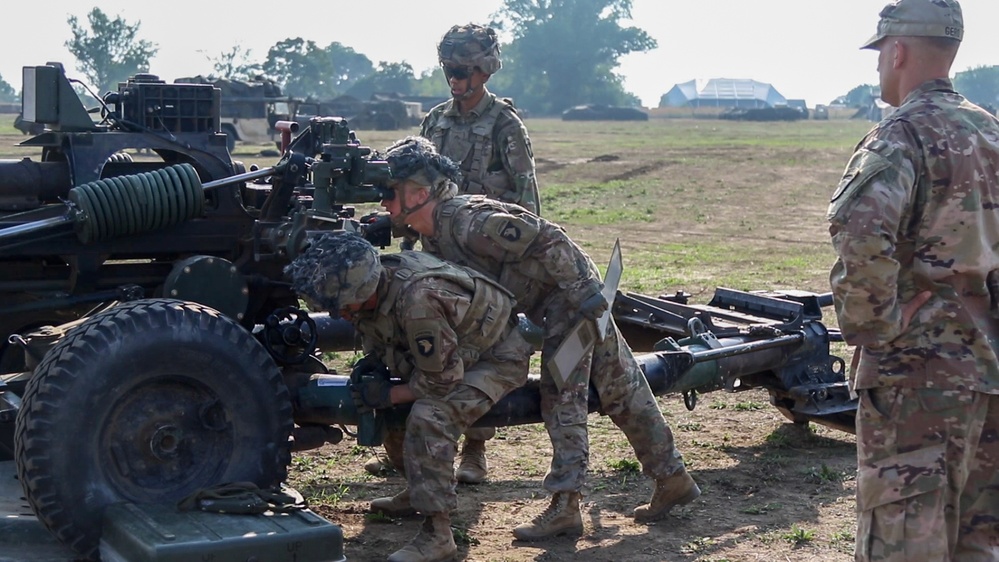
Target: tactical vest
{"x": 484, "y": 323}
{"x": 527, "y": 279}
{"x": 471, "y": 145}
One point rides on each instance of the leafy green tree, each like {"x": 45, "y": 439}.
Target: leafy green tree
{"x": 389, "y": 77}
{"x": 7, "y": 92}
{"x": 432, "y": 84}
{"x": 861, "y": 96}
{"x": 308, "y": 71}
{"x": 565, "y": 52}
{"x": 108, "y": 51}
{"x": 980, "y": 85}
{"x": 234, "y": 64}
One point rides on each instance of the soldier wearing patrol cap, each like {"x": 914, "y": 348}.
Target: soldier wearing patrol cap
{"x": 914, "y": 223}
{"x": 558, "y": 287}
{"x": 475, "y": 128}
{"x": 444, "y": 330}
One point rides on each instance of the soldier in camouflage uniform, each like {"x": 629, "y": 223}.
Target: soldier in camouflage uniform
{"x": 484, "y": 135}
{"x": 444, "y": 330}
{"x": 914, "y": 222}
{"x": 556, "y": 286}
{"x": 476, "y": 129}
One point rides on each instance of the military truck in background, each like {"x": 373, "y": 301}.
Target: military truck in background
{"x": 250, "y": 109}
{"x": 383, "y": 112}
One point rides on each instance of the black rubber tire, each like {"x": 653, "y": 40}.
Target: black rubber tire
{"x": 148, "y": 402}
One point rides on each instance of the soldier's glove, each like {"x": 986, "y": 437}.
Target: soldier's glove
{"x": 377, "y": 228}
{"x": 593, "y": 307}
{"x": 586, "y": 296}
{"x": 369, "y": 384}
{"x": 368, "y": 365}
{"x": 371, "y": 393}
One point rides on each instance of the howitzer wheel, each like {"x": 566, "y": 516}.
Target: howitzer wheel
{"x": 147, "y": 402}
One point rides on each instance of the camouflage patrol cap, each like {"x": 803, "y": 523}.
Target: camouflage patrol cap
{"x": 919, "y": 18}
{"x": 416, "y": 159}
{"x": 336, "y": 270}
{"x": 470, "y": 45}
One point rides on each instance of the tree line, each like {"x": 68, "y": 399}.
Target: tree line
{"x": 546, "y": 69}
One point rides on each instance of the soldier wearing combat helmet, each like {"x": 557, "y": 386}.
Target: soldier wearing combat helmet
{"x": 557, "y": 286}
{"x": 916, "y": 286}
{"x": 476, "y": 129}
{"x": 444, "y": 330}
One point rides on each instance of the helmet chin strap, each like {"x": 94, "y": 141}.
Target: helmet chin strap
{"x": 404, "y": 210}
{"x": 469, "y": 92}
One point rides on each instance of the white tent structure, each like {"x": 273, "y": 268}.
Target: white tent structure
{"x": 722, "y": 92}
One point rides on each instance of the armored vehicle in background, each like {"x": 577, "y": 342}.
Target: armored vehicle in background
{"x": 599, "y": 112}
{"x": 249, "y": 110}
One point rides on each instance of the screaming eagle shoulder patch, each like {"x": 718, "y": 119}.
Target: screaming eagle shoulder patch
{"x": 425, "y": 344}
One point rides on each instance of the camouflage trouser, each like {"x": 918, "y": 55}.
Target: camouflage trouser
{"x": 928, "y": 475}
{"x": 434, "y": 424}
{"x": 431, "y": 443}
{"x": 624, "y": 395}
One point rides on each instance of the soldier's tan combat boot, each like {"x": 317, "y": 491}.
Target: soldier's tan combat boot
{"x": 673, "y": 490}
{"x": 562, "y": 516}
{"x": 379, "y": 465}
{"x": 395, "y": 506}
{"x": 434, "y": 542}
{"x": 473, "y": 467}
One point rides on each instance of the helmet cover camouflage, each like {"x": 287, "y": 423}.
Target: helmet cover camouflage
{"x": 415, "y": 158}
{"x": 336, "y": 270}
{"x": 470, "y": 45}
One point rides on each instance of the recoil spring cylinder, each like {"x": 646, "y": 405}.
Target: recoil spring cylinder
{"x": 126, "y": 205}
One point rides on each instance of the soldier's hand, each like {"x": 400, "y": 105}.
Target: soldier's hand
{"x": 367, "y": 365}
{"x": 371, "y": 393}
{"x": 593, "y": 306}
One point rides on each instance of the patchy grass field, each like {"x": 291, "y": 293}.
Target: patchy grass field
{"x": 696, "y": 204}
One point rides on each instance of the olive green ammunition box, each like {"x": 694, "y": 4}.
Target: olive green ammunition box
{"x": 162, "y": 533}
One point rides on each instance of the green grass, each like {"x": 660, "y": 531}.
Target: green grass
{"x": 798, "y": 536}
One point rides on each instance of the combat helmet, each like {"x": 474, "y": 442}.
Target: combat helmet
{"x": 337, "y": 269}
{"x": 470, "y": 45}
{"x": 415, "y": 158}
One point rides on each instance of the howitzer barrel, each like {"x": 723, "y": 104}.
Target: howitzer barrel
{"x": 326, "y": 398}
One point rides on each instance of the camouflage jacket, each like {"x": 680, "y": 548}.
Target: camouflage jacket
{"x": 491, "y": 146}
{"x": 433, "y": 321}
{"x": 916, "y": 211}
{"x": 531, "y": 257}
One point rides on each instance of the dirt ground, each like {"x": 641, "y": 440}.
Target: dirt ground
{"x": 772, "y": 491}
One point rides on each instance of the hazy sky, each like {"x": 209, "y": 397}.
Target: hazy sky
{"x": 806, "y": 48}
